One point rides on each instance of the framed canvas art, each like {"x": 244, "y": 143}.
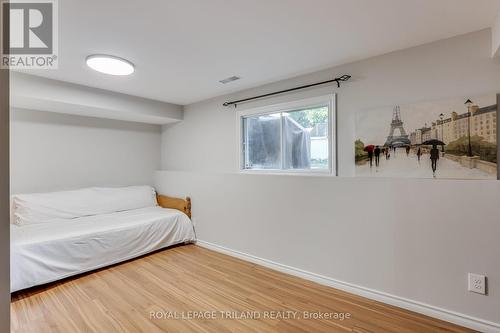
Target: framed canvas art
{"x": 454, "y": 138}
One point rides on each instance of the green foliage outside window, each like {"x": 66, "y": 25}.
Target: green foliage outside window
{"x": 309, "y": 118}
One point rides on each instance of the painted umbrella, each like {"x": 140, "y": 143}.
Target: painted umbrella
{"x": 433, "y": 142}
{"x": 369, "y": 148}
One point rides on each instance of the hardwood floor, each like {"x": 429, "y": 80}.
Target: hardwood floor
{"x": 144, "y": 295}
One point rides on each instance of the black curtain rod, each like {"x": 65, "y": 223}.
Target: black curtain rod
{"x": 339, "y": 79}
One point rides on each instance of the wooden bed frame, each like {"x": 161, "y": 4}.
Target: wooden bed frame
{"x": 184, "y": 205}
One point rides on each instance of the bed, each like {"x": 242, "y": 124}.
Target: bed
{"x": 60, "y": 234}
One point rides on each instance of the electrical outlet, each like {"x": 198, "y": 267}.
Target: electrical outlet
{"x": 477, "y": 283}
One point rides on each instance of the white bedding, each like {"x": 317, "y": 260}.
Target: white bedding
{"x": 46, "y": 252}
{"x": 44, "y": 207}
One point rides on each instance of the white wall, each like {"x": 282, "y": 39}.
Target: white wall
{"x": 38, "y": 93}
{"x": 412, "y": 238}
{"x": 451, "y": 68}
{"x": 51, "y": 151}
{"x": 4, "y": 201}
{"x": 495, "y": 31}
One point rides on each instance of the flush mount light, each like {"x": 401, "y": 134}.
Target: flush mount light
{"x": 110, "y": 64}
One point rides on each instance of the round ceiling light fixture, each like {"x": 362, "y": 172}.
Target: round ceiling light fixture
{"x": 111, "y": 65}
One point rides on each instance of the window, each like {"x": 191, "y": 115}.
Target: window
{"x": 288, "y": 138}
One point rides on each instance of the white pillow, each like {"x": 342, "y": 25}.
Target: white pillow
{"x": 46, "y": 207}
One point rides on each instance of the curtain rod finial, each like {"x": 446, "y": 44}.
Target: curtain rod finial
{"x": 230, "y": 103}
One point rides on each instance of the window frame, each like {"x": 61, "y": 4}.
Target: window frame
{"x": 296, "y": 105}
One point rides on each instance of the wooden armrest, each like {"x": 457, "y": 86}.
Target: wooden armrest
{"x": 184, "y": 205}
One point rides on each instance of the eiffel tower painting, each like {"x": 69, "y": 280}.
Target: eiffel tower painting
{"x": 397, "y": 124}
{"x": 398, "y": 140}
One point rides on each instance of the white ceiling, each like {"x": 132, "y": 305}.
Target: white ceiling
{"x": 182, "y": 48}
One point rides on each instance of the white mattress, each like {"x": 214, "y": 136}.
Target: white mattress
{"x": 45, "y": 252}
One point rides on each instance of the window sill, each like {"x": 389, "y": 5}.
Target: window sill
{"x": 308, "y": 173}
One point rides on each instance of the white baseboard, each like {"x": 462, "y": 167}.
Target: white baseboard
{"x": 425, "y": 309}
